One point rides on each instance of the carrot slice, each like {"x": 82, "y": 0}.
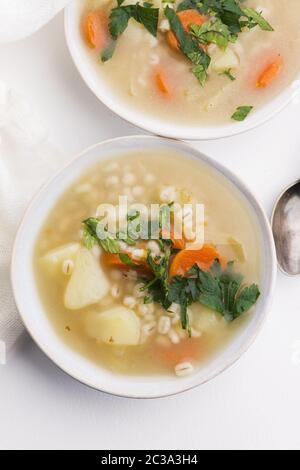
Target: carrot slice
{"x": 112, "y": 260}
{"x": 96, "y": 29}
{"x": 178, "y": 243}
{"x": 172, "y": 41}
{"x": 162, "y": 82}
{"x": 187, "y": 17}
{"x": 187, "y": 350}
{"x": 185, "y": 260}
{"x": 269, "y": 73}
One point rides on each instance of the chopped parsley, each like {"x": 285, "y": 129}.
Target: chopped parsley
{"x": 109, "y": 243}
{"x": 108, "y": 52}
{"x": 144, "y": 14}
{"x": 217, "y": 289}
{"x": 228, "y": 74}
{"x": 189, "y": 47}
{"x": 256, "y": 19}
{"x": 125, "y": 258}
{"x": 241, "y": 113}
{"x": 213, "y": 32}
{"x": 228, "y": 19}
{"x": 90, "y": 237}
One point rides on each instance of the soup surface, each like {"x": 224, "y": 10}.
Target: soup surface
{"x": 217, "y": 63}
{"x": 158, "y": 305}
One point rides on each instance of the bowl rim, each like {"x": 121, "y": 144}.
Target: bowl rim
{"x": 262, "y": 223}
{"x": 162, "y": 127}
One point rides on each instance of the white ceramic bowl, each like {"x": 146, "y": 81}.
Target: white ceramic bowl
{"x": 40, "y": 327}
{"x": 104, "y": 93}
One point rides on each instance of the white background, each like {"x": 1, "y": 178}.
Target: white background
{"x": 256, "y": 404}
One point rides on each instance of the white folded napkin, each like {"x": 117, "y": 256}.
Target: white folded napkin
{"x": 26, "y": 156}
{"x": 20, "y": 18}
{"x": 26, "y": 160}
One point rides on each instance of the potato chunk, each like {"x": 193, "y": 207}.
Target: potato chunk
{"x": 53, "y": 260}
{"x": 116, "y": 326}
{"x": 238, "y": 249}
{"x": 224, "y": 60}
{"x": 207, "y": 321}
{"x": 88, "y": 283}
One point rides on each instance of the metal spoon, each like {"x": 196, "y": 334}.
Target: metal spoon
{"x": 286, "y": 229}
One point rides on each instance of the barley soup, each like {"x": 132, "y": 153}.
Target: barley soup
{"x": 216, "y": 60}
{"x": 149, "y": 305}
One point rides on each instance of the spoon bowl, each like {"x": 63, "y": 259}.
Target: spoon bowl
{"x": 286, "y": 229}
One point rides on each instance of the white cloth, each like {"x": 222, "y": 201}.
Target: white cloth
{"x": 26, "y": 160}
{"x": 26, "y": 156}
{"x": 20, "y": 18}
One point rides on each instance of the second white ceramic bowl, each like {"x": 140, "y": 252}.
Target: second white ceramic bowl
{"x": 106, "y": 95}
{"x": 39, "y": 325}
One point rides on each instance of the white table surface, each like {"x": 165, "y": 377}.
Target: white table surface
{"x": 256, "y": 404}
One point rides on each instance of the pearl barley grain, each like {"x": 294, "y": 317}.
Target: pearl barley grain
{"x": 183, "y": 369}
{"x": 67, "y": 267}
{"x": 168, "y": 194}
{"x": 129, "y": 301}
{"x": 174, "y": 337}
{"x": 138, "y": 254}
{"x": 128, "y": 179}
{"x": 146, "y": 309}
{"x": 112, "y": 180}
{"x": 137, "y": 191}
{"x": 149, "y": 328}
{"x": 164, "y": 25}
{"x": 142, "y": 310}
{"x": 174, "y": 308}
{"x": 115, "y": 291}
{"x": 153, "y": 247}
{"x": 149, "y": 179}
{"x": 164, "y": 325}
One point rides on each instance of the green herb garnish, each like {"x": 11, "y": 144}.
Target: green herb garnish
{"x": 228, "y": 74}
{"x": 120, "y": 16}
{"x": 226, "y": 20}
{"x": 218, "y": 290}
{"x": 111, "y": 241}
{"x": 241, "y": 113}
{"x": 90, "y": 237}
{"x": 189, "y": 47}
{"x": 213, "y": 32}
{"x": 107, "y": 53}
{"x": 257, "y": 19}
{"x": 125, "y": 258}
